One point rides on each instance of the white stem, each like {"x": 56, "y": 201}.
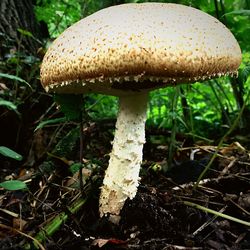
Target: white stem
{"x": 122, "y": 176}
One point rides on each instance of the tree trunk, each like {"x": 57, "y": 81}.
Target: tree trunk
{"x": 14, "y": 15}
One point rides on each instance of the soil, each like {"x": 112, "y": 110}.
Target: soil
{"x": 165, "y": 213}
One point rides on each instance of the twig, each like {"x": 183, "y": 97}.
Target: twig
{"x": 24, "y": 234}
{"x": 208, "y": 210}
{"x": 54, "y": 225}
{"x": 207, "y": 223}
{"x": 229, "y": 166}
{"x": 221, "y": 142}
{"x": 81, "y": 155}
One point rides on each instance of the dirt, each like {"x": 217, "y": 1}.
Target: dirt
{"x": 163, "y": 215}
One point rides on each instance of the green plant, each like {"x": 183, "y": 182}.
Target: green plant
{"x": 10, "y": 153}
{"x": 13, "y": 185}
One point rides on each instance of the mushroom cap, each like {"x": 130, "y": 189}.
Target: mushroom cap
{"x": 135, "y": 47}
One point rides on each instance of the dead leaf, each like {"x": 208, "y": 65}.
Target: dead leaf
{"x": 102, "y": 242}
{"x": 18, "y": 223}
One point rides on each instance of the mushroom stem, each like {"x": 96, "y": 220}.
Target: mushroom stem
{"x": 122, "y": 175}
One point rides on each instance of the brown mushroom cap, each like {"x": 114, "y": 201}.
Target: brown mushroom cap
{"x": 139, "y": 46}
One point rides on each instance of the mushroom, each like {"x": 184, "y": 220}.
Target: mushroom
{"x": 128, "y": 50}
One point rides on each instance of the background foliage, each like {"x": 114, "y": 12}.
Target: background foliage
{"x": 211, "y": 104}
{"x": 202, "y": 110}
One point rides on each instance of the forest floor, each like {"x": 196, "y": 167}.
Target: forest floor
{"x": 168, "y": 212}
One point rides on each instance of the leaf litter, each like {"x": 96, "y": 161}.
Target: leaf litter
{"x": 168, "y": 212}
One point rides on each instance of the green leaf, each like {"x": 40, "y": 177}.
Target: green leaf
{"x": 75, "y": 167}
{"x": 51, "y": 121}
{"x": 10, "y": 153}
{"x": 13, "y": 185}
{"x": 238, "y": 12}
{"x": 67, "y": 144}
{"x": 9, "y": 105}
{"x": 244, "y": 74}
{"x": 16, "y": 78}
{"x": 71, "y": 105}
{"x": 25, "y": 32}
